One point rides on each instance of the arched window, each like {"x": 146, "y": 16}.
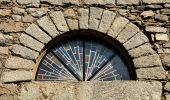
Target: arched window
{"x": 83, "y": 58}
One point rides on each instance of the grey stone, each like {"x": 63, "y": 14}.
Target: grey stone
{"x": 117, "y": 26}
{"x": 59, "y": 21}
{"x": 165, "y": 60}
{"x": 17, "y": 10}
{"x": 36, "y": 32}
{"x": 155, "y": 29}
{"x": 106, "y": 21}
{"x": 146, "y": 14}
{"x": 30, "y": 42}
{"x": 142, "y": 50}
{"x": 5, "y": 1}
{"x": 73, "y": 24}
{"x": 135, "y": 41}
{"x": 37, "y": 12}
{"x": 99, "y": 2}
{"x": 167, "y": 5}
{"x": 167, "y": 86}
{"x": 153, "y": 1}
{"x": 95, "y": 17}
{"x": 129, "y": 31}
{"x": 28, "y": 18}
{"x": 165, "y": 11}
{"x": 147, "y": 61}
{"x": 113, "y": 90}
{"x": 162, "y": 37}
{"x": 16, "y": 17}
{"x": 48, "y": 26}
{"x": 74, "y": 2}
{"x": 24, "y": 52}
{"x": 15, "y": 62}
{"x": 128, "y": 2}
{"x": 83, "y": 18}
{"x": 154, "y": 6}
{"x": 53, "y": 2}
{"x": 161, "y": 17}
{"x": 34, "y": 3}
{"x": 15, "y": 76}
{"x": 151, "y": 73}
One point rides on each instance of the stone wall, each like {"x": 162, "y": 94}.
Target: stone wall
{"x": 24, "y": 24}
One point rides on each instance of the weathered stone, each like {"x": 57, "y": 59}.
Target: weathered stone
{"x": 74, "y": 2}
{"x": 5, "y": 12}
{"x": 142, "y": 50}
{"x": 155, "y": 29}
{"x": 162, "y": 37}
{"x": 69, "y": 12}
{"x": 153, "y": 1}
{"x": 53, "y": 2}
{"x": 24, "y": 52}
{"x": 83, "y": 18}
{"x": 15, "y": 76}
{"x": 165, "y": 11}
{"x": 48, "y": 26}
{"x": 73, "y": 24}
{"x": 135, "y": 41}
{"x": 17, "y": 10}
{"x": 165, "y": 60}
{"x": 18, "y": 63}
{"x": 16, "y": 17}
{"x": 37, "y": 12}
{"x": 151, "y": 73}
{"x": 59, "y": 21}
{"x": 8, "y": 89}
{"x": 12, "y": 26}
{"x": 34, "y": 3}
{"x": 95, "y": 17}
{"x": 147, "y": 61}
{"x": 129, "y": 31}
{"x": 123, "y": 12}
{"x": 146, "y": 14}
{"x": 5, "y": 1}
{"x": 154, "y": 6}
{"x": 36, "y": 32}
{"x": 4, "y": 50}
{"x": 113, "y": 90}
{"x": 167, "y": 97}
{"x": 1, "y": 66}
{"x": 117, "y": 26}
{"x": 99, "y": 2}
{"x": 106, "y": 21}
{"x": 2, "y": 39}
{"x": 161, "y": 17}
{"x": 167, "y": 5}
{"x": 167, "y": 44}
{"x": 128, "y": 2}
{"x": 28, "y": 18}
{"x": 167, "y": 86}
{"x": 30, "y": 42}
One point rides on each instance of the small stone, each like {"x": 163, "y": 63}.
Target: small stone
{"x": 4, "y": 50}
{"x": 15, "y": 76}
{"x": 28, "y": 18}
{"x": 5, "y": 12}
{"x": 73, "y": 2}
{"x": 165, "y": 11}
{"x": 162, "y": 37}
{"x": 167, "y": 5}
{"x": 18, "y": 63}
{"x": 32, "y": 3}
{"x": 16, "y": 17}
{"x": 154, "y": 6}
{"x": 167, "y": 97}
{"x": 83, "y": 18}
{"x": 2, "y": 39}
{"x": 167, "y": 86}
{"x": 128, "y": 2}
{"x": 53, "y": 2}
{"x": 165, "y": 60}
{"x": 161, "y": 17}
{"x": 167, "y": 44}
{"x": 153, "y": 1}
{"x": 24, "y": 52}
{"x": 9, "y": 89}
{"x": 17, "y": 10}
{"x": 155, "y": 29}
{"x": 69, "y": 13}
{"x": 37, "y": 12}
{"x": 73, "y": 24}
{"x": 123, "y": 12}
{"x": 99, "y": 2}
{"x": 146, "y": 14}
{"x": 2, "y": 1}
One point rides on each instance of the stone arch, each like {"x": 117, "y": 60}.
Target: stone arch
{"x": 147, "y": 63}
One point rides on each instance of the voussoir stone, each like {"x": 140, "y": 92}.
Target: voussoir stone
{"x": 142, "y": 50}
{"x": 147, "y": 61}
{"x": 117, "y": 26}
{"x": 53, "y": 2}
{"x": 128, "y": 2}
{"x": 48, "y": 26}
{"x": 37, "y": 33}
{"x": 15, "y": 76}
{"x": 135, "y": 41}
{"x": 83, "y": 18}
{"x": 129, "y": 31}
{"x": 153, "y": 1}
{"x": 151, "y": 73}
{"x": 106, "y": 21}
{"x": 155, "y": 29}
{"x": 24, "y": 52}
{"x": 95, "y": 17}
{"x": 73, "y": 24}
{"x": 18, "y": 63}
{"x": 30, "y": 42}
{"x": 34, "y": 3}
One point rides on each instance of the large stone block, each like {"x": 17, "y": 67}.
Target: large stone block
{"x": 34, "y": 3}
{"x": 128, "y": 2}
{"x": 83, "y": 18}
{"x": 24, "y": 52}
{"x": 18, "y": 63}
{"x": 36, "y": 32}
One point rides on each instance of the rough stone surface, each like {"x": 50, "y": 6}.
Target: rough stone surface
{"x": 30, "y": 42}
{"x": 107, "y": 19}
{"x": 99, "y": 2}
{"x": 8, "y": 89}
{"x": 53, "y": 2}
{"x": 15, "y": 76}
{"x": 4, "y": 50}
{"x": 5, "y": 1}
{"x": 37, "y": 12}
{"x": 161, "y": 17}
{"x": 73, "y": 24}
{"x": 142, "y": 50}
{"x": 28, "y": 18}
{"x": 129, "y": 31}
{"x": 36, "y": 32}
{"x": 167, "y": 86}
{"x": 34, "y": 3}
{"x": 16, "y": 17}
{"x": 95, "y": 17}
{"x": 155, "y": 29}
{"x": 167, "y": 97}
{"x": 127, "y": 2}
{"x": 147, "y": 61}
{"x": 165, "y": 11}
{"x": 83, "y": 18}
{"x": 153, "y": 1}
{"x": 24, "y": 52}
{"x": 114, "y": 90}
{"x": 162, "y": 37}
{"x": 17, "y": 10}
{"x": 5, "y": 12}
{"x": 117, "y": 26}
{"x": 18, "y": 63}
{"x": 48, "y": 26}
{"x": 69, "y": 13}
{"x": 135, "y": 41}
{"x": 73, "y": 2}
{"x": 165, "y": 60}
{"x": 147, "y": 13}
{"x": 59, "y": 21}
{"x": 151, "y": 73}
